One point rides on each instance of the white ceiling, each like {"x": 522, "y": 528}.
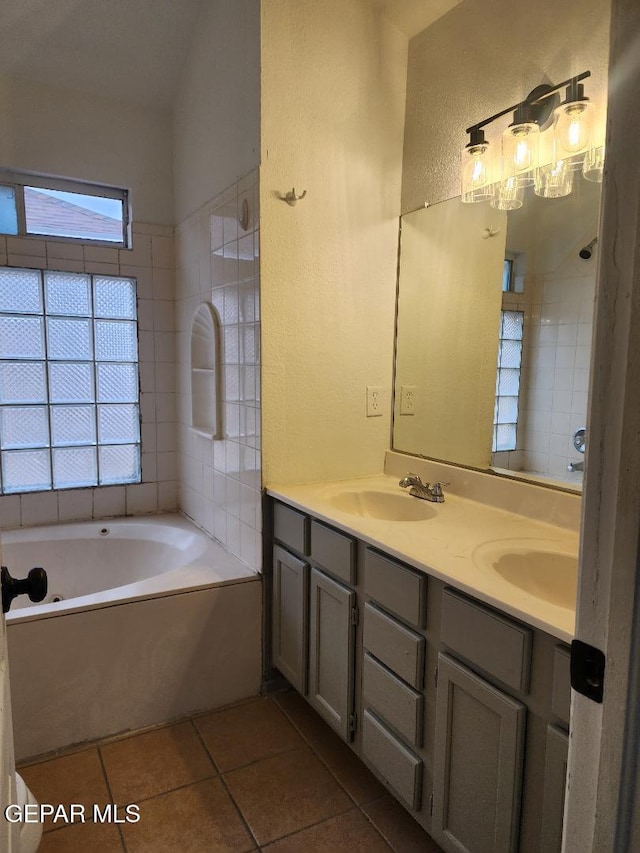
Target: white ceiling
{"x": 132, "y": 50}
{"x": 413, "y": 16}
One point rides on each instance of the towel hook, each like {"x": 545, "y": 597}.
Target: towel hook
{"x": 291, "y": 198}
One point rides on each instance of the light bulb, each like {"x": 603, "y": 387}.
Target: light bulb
{"x": 520, "y": 152}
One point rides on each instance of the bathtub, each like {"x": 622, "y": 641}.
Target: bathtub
{"x": 145, "y": 620}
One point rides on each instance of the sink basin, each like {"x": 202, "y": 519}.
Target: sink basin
{"x": 383, "y": 505}
{"x": 544, "y": 568}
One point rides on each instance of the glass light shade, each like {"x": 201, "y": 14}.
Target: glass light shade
{"x": 593, "y": 165}
{"x": 509, "y": 195}
{"x": 573, "y": 130}
{"x": 553, "y": 180}
{"x": 476, "y": 173}
{"x": 520, "y": 152}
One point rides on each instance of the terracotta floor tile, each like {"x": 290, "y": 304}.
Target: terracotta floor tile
{"x": 348, "y": 833}
{"x": 200, "y": 818}
{"x": 286, "y": 793}
{"x": 352, "y": 774}
{"x": 398, "y": 828}
{"x": 246, "y": 733}
{"x": 301, "y": 713}
{"x": 154, "y": 762}
{"x": 76, "y": 778}
{"x": 82, "y": 837}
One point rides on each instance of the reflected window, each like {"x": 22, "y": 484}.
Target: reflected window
{"x": 505, "y": 418}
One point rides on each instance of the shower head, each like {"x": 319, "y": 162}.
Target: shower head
{"x": 586, "y": 251}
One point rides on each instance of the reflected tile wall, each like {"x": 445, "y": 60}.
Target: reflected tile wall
{"x": 217, "y": 262}
{"x": 151, "y": 262}
{"x": 555, "y": 371}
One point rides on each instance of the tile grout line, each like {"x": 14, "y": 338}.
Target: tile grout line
{"x": 310, "y": 826}
{"x": 319, "y": 757}
{"x": 99, "y": 742}
{"x": 226, "y": 787}
{"x": 108, "y": 784}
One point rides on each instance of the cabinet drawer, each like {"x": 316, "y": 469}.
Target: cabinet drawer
{"x": 400, "y": 705}
{"x": 396, "y": 588}
{"x": 334, "y": 551}
{"x": 395, "y": 763}
{"x": 497, "y": 645}
{"x": 561, "y": 687}
{"x": 291, "y": 527}
{"x": 399, "y": 648}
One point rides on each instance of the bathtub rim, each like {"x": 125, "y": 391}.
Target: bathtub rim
{"x": 201, "y": 573}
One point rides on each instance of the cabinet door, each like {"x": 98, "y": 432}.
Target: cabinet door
{"x": 290, "y": 617}
{"x": 479, "y": 741}
{"x": 555, "y": 775}
{"x": 331, "y": 651}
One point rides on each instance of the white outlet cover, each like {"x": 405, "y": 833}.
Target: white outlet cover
{"x": 375, "y": 401}
{"x": 407, "y": 399}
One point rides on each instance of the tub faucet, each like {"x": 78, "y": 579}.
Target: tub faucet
{"x": 576, "y": 466}
{"x": 425, "y": 491}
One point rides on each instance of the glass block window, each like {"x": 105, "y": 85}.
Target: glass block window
{"x": 69, "y": 406}
{"x": 505, "y": 418}
{"x": 62, "y": 208}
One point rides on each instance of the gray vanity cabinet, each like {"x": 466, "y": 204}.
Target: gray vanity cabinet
{"x": 331, "y": 651}
{"x": 478, "y": 759}
{"x": 460, "y": 709}
{"x": 314, "y": 614}
{"x": 555, "y": 776}
{"x": 290, "y": 617}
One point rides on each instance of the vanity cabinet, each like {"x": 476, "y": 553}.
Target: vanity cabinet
{"x": 555, "y": 777}
{"x": 331, "y": 652}
{"x": 459, "y": 709}
{"x": 477, "y": 776}
{"x": 314, "y": 614}
{"x": 290, "y": 617}
{"x": 393, "y": 670}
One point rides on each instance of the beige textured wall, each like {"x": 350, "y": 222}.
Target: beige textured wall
{"x": 333, "y": 85}
{"x": 216, "y": 113}
{"x": 478, "y": 59}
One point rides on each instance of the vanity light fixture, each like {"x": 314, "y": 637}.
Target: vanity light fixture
{"x": 542, "y": 147}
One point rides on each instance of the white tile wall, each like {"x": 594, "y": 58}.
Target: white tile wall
{"x": 217, "y": 262}
{"x": 151, "y": 261}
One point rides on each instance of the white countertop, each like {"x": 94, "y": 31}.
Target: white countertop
{"x": 443, "y": 545}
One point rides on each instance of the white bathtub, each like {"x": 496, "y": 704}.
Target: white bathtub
{"x": 155, "y": 621}
{"x": 96, "y": 563}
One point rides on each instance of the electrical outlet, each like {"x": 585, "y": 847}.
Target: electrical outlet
{"x": 374, "y": 401}
{"x": 407, "y": 399}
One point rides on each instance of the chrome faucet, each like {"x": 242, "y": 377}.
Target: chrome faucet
{"x": 425, "y": 491}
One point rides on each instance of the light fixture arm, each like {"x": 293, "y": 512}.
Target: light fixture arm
{"x": 534, "y": 99}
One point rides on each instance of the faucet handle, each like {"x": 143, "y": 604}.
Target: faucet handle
{"x": 436, "y": 489}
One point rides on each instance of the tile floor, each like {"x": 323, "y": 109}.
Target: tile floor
{"x": 266, "y": 774}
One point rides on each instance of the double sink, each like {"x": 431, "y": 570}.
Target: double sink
{"x": 546, "y": 569}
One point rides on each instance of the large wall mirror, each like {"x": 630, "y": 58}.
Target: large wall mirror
{"x": 494, "y": 334}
